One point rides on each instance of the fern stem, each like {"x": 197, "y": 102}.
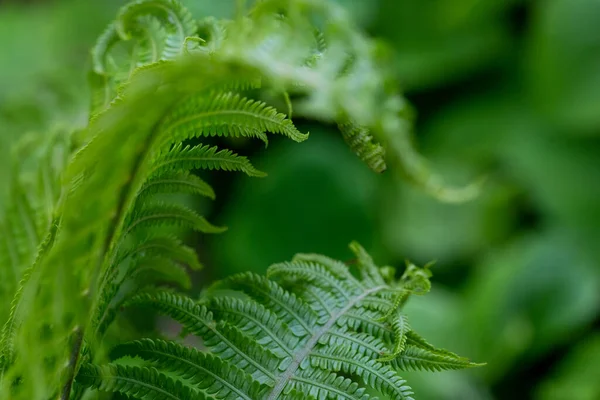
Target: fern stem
{"x": 285, "y": 377}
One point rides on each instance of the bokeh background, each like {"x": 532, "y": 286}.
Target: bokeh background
{"x": 507, "y": 89}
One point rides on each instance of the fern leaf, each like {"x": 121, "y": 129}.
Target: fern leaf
{"x": 321, "y": 300}
{"x": 361, "y": 142}
{"x": 313, "y": 273}
{"x": 21, "y": 223}
{"x": 175, "y": 182}
{"x": 170, "y": 12}
{"x": 361, "y": 344}
{"x": 337, "y": 268}
{"x": 415, "y": 279}
{"x": 414, "y": 339}
{"x": 368, "y": 270}
{"x": 170, "y": 214}
{"x": 154, "y": 40}
{"x": 226, "y": 114}
{"x": 376, "y": 303}
{"x": 257, "y": 321}
{"x": 102, "y": 47}
{"x": 377, "y": 375}
{"x": 224, "y": 340}
{"x": 102, "y": 92}
{"x": 338, "y": 349}
{"x": 292, "y": 311}
{"x": 210, "y": 374}
{"x": 204, "y": 157}
{"x": 141, "y": 383}
{"x": 401, "y": 328}
{"x": 161, "y": 269}
{"x": 104, "y": 312}
{"x": 416, "y": 358}
{"x": 364, "y": 320}
{"x": 323, "y": 384}
{"x": 27, "y": 285}
{"x": 165, "y": 246}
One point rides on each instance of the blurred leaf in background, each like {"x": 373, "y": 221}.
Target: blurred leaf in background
{"x": 43, "y": 67}
{"x": 523, "y": 258}
{"x": 536, "y": 294}
{"x": 577, "y": 376}
{"x": 564, "y": 60}
{"x": 315, "y": 200}
{"x": 441, "y": 41}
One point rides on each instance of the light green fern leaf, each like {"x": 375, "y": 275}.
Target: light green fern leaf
{"x": 252, "y": 352}
{"x": 226, "y": 114}
{"x": 204, "y": 157}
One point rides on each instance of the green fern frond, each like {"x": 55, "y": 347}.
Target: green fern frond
{"x": 416, "y": 358}
{"x": 336, "y": 267}
{"x": 204, "y": 157}
{"x": 28, "y": 228}
{"x": 153, "y": 42}
{"x": 159, "y": 269}
{"x": 369, "y": 272}
{"x": 101, "y": 50}
{"x": 315, "y": 274}
{"x": 248, "y": 338}
{"x": 139, "y": 382}
{"x": 322, "y": 384}
{"x": 227, "y": 341}
{"x": 257, "y": 321}
{"x": 165, "y": 246}
{"x": 161, "y": 214}
{"x": 176, "y": 182}
{"x": 375, "y": 374}
{"x": 361, "y": 142}
{"x": 226, "y": 114}
{"x": 400, "y": 327}
{"x": 105, "y": 310}
{"x": 290, "y": 309}
{"x": 171, "y": 14}
{"x": 208, "y": 373}
{"x": 362, "y": 344}
{"x": 158, "y": 28}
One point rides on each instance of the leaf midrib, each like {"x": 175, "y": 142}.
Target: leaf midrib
{"x": 285, "y": 377}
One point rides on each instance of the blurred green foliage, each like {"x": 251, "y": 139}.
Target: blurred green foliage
{"x": 314, "y": 200}
{"x": 509, "y": 89}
